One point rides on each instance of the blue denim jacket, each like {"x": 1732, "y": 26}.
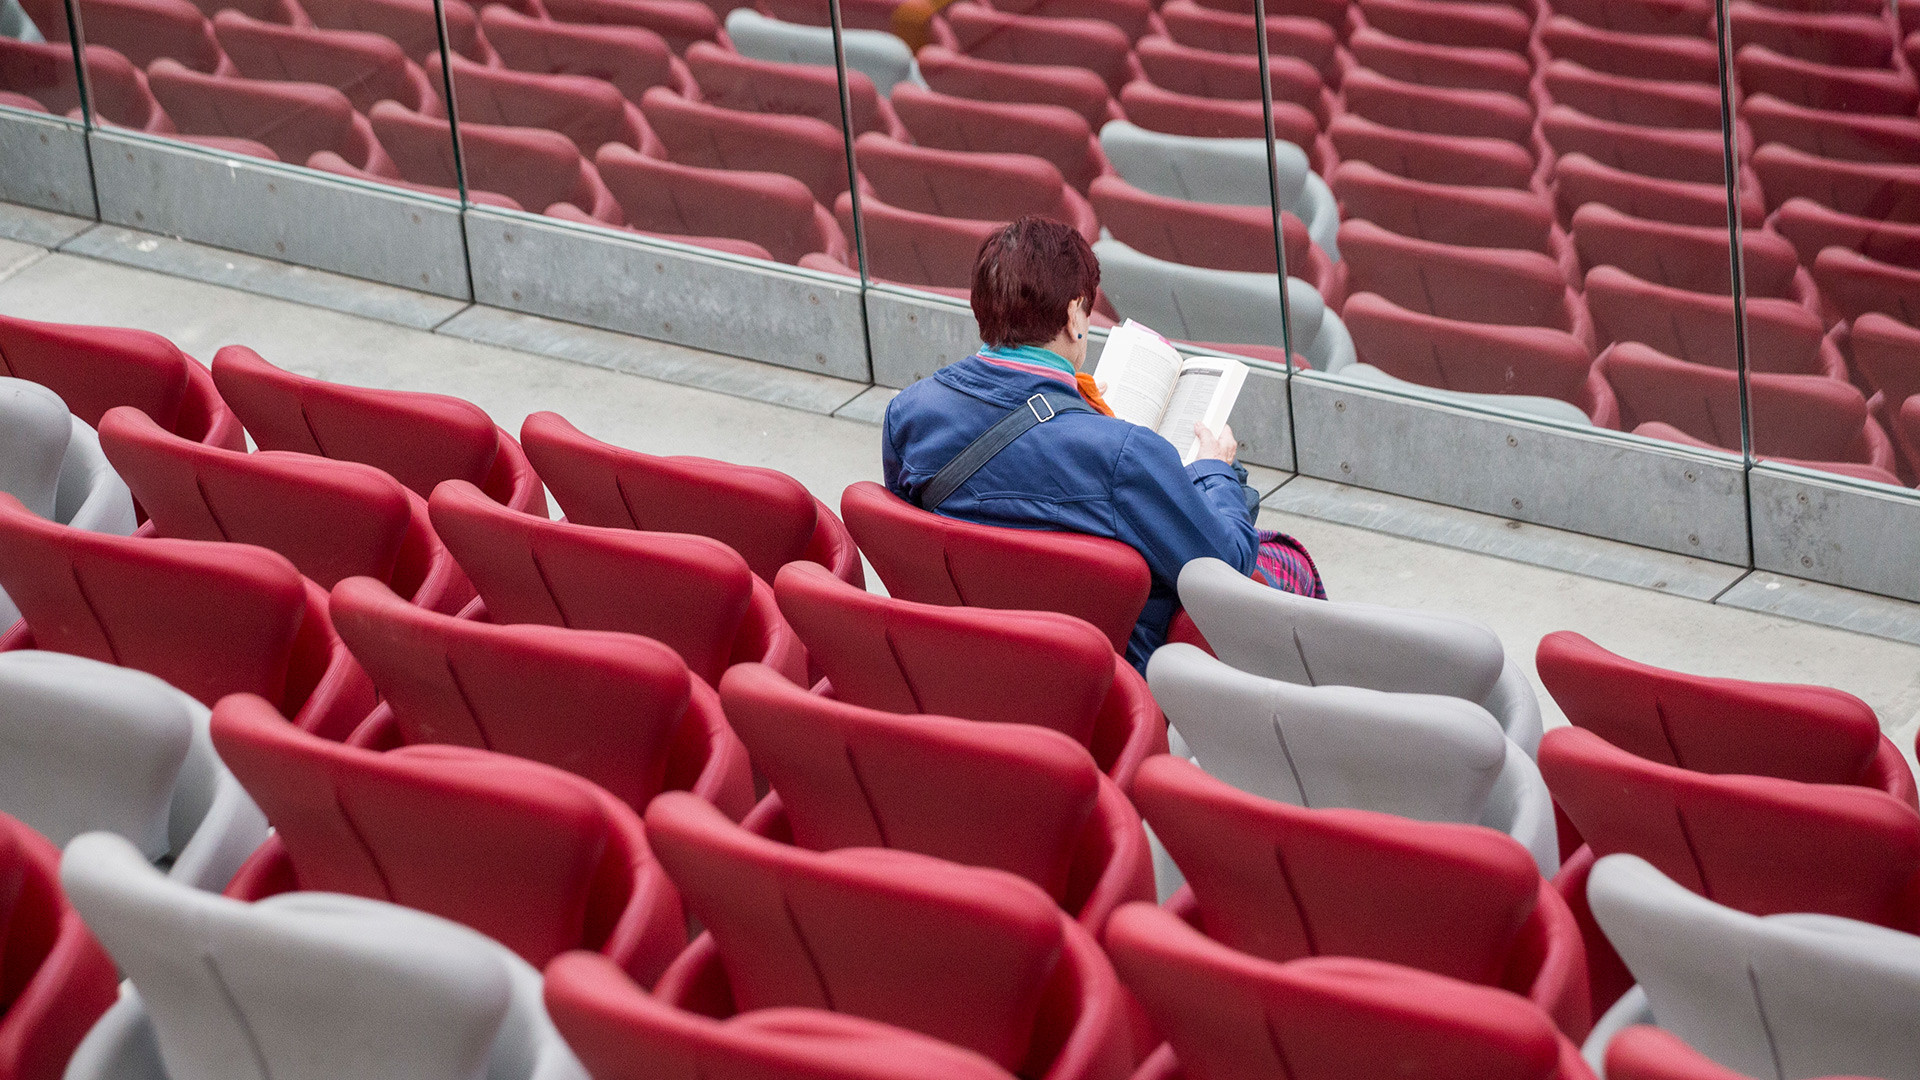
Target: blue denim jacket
{"x": 1079, "y": 472}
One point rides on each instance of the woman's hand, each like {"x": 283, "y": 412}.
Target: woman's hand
{"x": 1213, "y": 447}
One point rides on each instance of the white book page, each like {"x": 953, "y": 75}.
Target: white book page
{"x": 1204, "y": 394}
{"x": 1137, "y": 373}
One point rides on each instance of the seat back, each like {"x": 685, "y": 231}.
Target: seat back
{"x": 1814, "y": 227}
{"x": 366, "y": 67}
{"x": 1491, "y": 285}
{"x": 210, "y": 619}
{"x": 1843, "y": 39}
{"x": 956, "y": 952}
{"x": 332, "y": 519}
{"x": 621, "y": 1032}
{"x": 876, "y": 53}
{"x": 1437, "y": 110}
{"x": 413, "y": 24}
{"x": 1800, "y": 416}
{"x": 1693, "y": 156}
{"x": 1439, "y": 22}
{"x": 688, "y": 592}
{"x": 1158, "y": 109}
{"x": 914, "y": 248}
{"x": 952, "y": 183}
{"x": 1227, "y": 1014}
{"x": 634, "y": 59}
{"x": 1692, "y": 257}
{"x": 1579, "y": 180}
{"x": 1278, "y": 635}
{"x": 34, "y": 429}
{"x": 1858, "y": 285}
{"x": 1094, "y": 44}
{"x": 296, "y": 120}
{"x": 1204, "y": 234}
{"x": 1699, "y": 326}
{"x": 602, "y": 705}
{"x": 94, "y": 368}
{"x": 1652, "y": 102}
{"x": 1303, "y": 37}
{"x": 964, "y": 76}
{"x": 532, "y": 167}
{"x": 531, "y": 856}
{"x": 1454, "y": 354}
{"x": 1015, "y": 797}
{"x": 1467, "y": 67}
{"x": 1191, "y": 303}
{"x": 1755, "y": 843}
{"x": 1054, "y": 132}
{"x": 1886, "y": 352}
{"x": 1824, "y": 86}
{"x": 765, "y": 515}
{"x": 771, "y": 209}
{"x": 1446, "y": 213}
{"x": 1420, "y": 756}
{"x": 587, "y": 110}
{"x": 91, "y": 746}
{"x": 1035, "y": 667}
{"x": 145, "y": 31}
{"x": 1281, "y": 882}
{"x": 1867, "y": 189}
{"x": 1621, "y": 52}
{"x": 737, "y": 81}
{"x": 1787, "y": 995}
{"x": 1813, "y": 734}
{"x": 696, "y": 133}
{"x": 299, "y": 986}
{"x": 1666, "y": 17}
{"x": 1230, "y": 171}
{"x": 931, "y": 559}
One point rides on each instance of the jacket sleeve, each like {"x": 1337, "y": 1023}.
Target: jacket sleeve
{"x": 1174, "y": 514}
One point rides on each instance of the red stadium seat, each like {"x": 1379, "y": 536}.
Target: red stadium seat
{"x": 148, "y": 30}
{"x": 733, "y": 81}
{"x": 1906, "y": 424}
{"x": 534, "y": 168}
{"x": 1845, "y": 39}
{"x": 295, "y": 120}
{"x": 908, "y": 247}
{"x": 1867, "y": 189}
{"x": 418, "y": 439}
{"x": 1477, "y": 357}
{"x": 692, "y": 593}
{"x": 1855, "y": 285}
{"x": 1754, "y": 843}
{"x": 43, "y": 73}
{"x": 1331, "y": 12}
{"x": 1797, "y": 418}
{"x": 1486, "y": 114}
{"x": 1694, "y": 257}
{"x": 1012, "y": 797}
{"x": 680, "y": 22}
{"x": 534, "y": 857}
{"x": 983, "y": 186}
{"x": 930, "y": 559}
{"x": 1498, "y": 217}
{"x": 619, "y": 710}
{"x": 1645, "y": 1052}
{"x": 696, "y": 133}
{"x": 1438, "y": 159}
{"x": 1886, "y": 353}
{"x": 1099, "y": 47}
{"x": 1579, "y": 180}
{"x": 1826, "y": 86}
{"x": 621, "y": 1032}
{"x": 1205, "y": 73}
{"x": 960, "y": 75}
{"x": 765, "y": 515}
{"x": 1301, "y": 38}
{"x": 977, "y": 958}
{"x": 1054, "y": 132}
{"x": 1813, "y": 227}
{"x": 1844, "y": 135}
{"x": 1504, "y": 286}
{"x": 1450, "y": 22}
{"x": 412, "y": 24}
{"x": 366, "y": 67}
{"x": 632, "y": 58}
{"x": 58, "y": 978}
{"x": 94, "y": 368}
{"x": 1461, "y": 67}
{"x": 212, "y": 619}
{"x": 1211, "y": 235}
{"x": 1679, "y": 18}
{"x": 331, "y": 519}
{"x": 1782, "y": 335}
{"x": 1035, "y": 667}
{"x": 327, "y": 161}
{"x": 1227, "y": 1014}
{"x": 1812, "y": 734}
{"x": 769, "y": 209}
{"x": 1695, "y": 156}
{"x": 1282, "y": 882}
{"x": 589, "y": 111}
{"x": 1649, "y": 102}
{"x": 1158, "y": 109}
{"x": 1616, "y": 52}
{"x": 1131, "y": 16}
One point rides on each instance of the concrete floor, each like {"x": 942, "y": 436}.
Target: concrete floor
{"x": 826, "y": 452}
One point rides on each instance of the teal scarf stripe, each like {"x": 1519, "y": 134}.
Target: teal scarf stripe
{"x": 1030, "y": 354}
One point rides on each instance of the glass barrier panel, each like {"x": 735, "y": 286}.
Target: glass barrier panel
{"x": 1829, "y": 140}
{"x": 36, "y": 59}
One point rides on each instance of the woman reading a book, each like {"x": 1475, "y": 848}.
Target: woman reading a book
{"x": 1017, "y": 435}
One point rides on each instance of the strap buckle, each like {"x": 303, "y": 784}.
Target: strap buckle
{"x": 1042, "y": 399}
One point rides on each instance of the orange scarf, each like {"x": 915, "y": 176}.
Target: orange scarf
{"x": 1092, "y": 393}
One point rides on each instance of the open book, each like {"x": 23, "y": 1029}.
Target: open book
{"x": 1147, "y": 382}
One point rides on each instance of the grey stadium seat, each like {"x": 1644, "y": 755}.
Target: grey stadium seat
{"x": 879, "y": 55}
{"x": 1230, "y": 171}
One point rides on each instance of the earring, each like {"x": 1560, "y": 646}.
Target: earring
{"x": 1080, "y": 336}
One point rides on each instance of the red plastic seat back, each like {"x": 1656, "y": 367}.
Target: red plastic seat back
{"x": 296, "y": 120}
{"x": 1887, "y": 354}
{"x": 952, "y": 183}
{"x": 1579, "y": 179}
{"x": 734, "y": 81}
{"x": 418, "y": 439}
{"x": 1302, "y": 37}
{"x": 520, "y": 851}
{"x": 601, "y": 705}
{"x": 765, "y": 515}
{"x": 963, "y": 76}
{"x": 148, "y": 30}
{"x": 1813, "y": 734}
{"x": 1471, "y": 357}
{"x": 1283, "y": 882}
{"x": 1201, "y": 72}
{"x": 1230, "y": 1015}
{"x": 771, "y": 209}
{"x": 1035, "y": 667}
{"x": 1654, "y": 103}
{"x": 696, "y": 133}
{"x": 688, "y": 592}
{"x": 212, "y": 619}
{"x": 1644, "y": 1052}
{"x": 1437, "y": 159}
{"x": 931, "y": 559}
{"x": 413, "y": 24}
{"x": 1810, "y": 417}
{"x": 1699, "y": 326}
{"x": 1490, "y": 114}
{"x": 1013, "y": 797}
{"x": 1665, "y": 153}
{"x": 589, "y": 111}
{"x": 1491, "y": 285}
{"x": 333, "y": 519}
{"x": 1495, "y": 217}
{"x": 1440, "y": 22}
{"x": 1867, "y": 189}
{"x": 632, "y": 58}
{"x": 531, "y": 166}
{"x": 1693, "y": 257}
{"x": 1462, "y": 66}
{"x": 366, "y": 67}
{"x": 1845, "y": 40}
{"x": 1756, "y": 843}
{"x": 1096, "y": 45}
{"x": 681, "y": 22}
{"x": 1158, "y": 109}
{"x": 1619, "y": 52}
{"x": 1859, "y": 285}
{"x": 1054, "y": 132}
{"x": 956, "y": 952}
{"x": 913, "y": 248}
{"x": 621, "y": 1032}
{"x": 1814, "y": 227}
{"x": 94, "y": 368}
{"x": 1197, "y": 233}
{"x": 1832, "y": 133}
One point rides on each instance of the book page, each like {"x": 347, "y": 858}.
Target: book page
{"x": 1204, "y": 394}
{"x": 1137, "y": 372}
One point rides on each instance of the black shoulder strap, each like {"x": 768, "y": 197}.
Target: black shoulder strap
{"x": 1030, "y": 414}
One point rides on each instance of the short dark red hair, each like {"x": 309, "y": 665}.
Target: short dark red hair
{"x": 1025, "y": 276}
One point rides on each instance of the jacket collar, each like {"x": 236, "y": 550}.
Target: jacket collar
{"x": 1006, "y": 383}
